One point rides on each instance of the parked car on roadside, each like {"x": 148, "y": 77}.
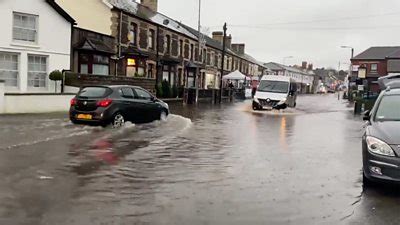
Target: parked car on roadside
{"x": 105, "y": 105}
{"x": 381, "y": 140}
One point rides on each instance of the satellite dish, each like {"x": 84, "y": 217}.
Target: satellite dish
{"x": 166, "y": 22}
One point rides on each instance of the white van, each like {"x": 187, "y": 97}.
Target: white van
{"x": 275, "y": 92}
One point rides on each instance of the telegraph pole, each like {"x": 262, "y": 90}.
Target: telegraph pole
{"x": 198, "y": 55}
{"x": 222, "y": 63}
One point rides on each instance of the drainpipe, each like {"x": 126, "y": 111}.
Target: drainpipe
{"x": 157, "y": 55}
{"x": 119, "y": 43}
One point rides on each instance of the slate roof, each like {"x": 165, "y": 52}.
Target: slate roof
{"x": 277, "y": 66}
{"x": 377, "y": 53}
{"x": 146, "y": 13}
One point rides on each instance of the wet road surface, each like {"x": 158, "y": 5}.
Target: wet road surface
{"x": 206, "y": 165}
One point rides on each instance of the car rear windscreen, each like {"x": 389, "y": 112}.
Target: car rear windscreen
{"x": 94, "y": 92}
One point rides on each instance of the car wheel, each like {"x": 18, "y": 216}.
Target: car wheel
{"x": 163, "y": 115}
{"x": 118, "y": 120}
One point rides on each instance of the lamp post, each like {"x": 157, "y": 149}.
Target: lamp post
{"x": 197, "y": 77}
{"x": 287, "y": 57}
{"x": 352, "y": 56}
{"x": 350, "y": 74}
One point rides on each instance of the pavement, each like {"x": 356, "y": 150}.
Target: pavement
{"x": 204, "y": 165}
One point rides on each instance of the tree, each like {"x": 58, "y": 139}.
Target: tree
{"x": 55, "y": 76}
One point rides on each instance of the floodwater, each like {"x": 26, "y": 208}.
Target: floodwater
{"x": 204, "y": 165}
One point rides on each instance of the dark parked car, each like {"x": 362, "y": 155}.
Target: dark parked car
{"x": 381, "y": 141}
{"x": 104, "y": 105}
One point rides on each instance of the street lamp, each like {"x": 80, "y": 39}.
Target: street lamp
{"x": 351, "y": 66}
{"x": 287, "y": 57}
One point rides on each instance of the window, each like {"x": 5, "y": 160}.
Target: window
{"x": 374, "y": 67}
{"x": 150, "y": 71}
{"x": 168, "y": 44}
{"x": 133, "y": 34}
{"x": 9, "y": 69}
{"x": 126, "y": 92}
{"x": 181, "y": 48}
{"x": 142, "y": 94}
{"x": 94, "y": 92}
{"x": 94, "y": 64}
{"x": 25, "y": 27}
{"x": 191, "y": 51}
{"x": 37, "y": 71}
{"x": 135, "y": 68}
{"x": 151, "y": 39}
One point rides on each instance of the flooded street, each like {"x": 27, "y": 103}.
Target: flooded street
{"x": 206, "y": 165}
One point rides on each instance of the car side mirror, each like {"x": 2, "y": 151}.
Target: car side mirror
{"x": 153, "y": 99}
{"x": 367, "y": 115}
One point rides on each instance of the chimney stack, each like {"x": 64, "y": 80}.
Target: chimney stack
{"x": 152, "y": 4}
{"x": 239, "y": 48}
{"x": 304, "y": 65}
{"x": 229, "y": 41}
{"x": 310, "y": 66}
{"x": 218, "y": 36}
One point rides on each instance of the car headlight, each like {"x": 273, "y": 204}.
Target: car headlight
{"x": 379, "y": 147}
{"x": 283, "y": 101}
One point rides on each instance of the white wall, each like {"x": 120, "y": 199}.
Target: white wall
{"x": 54, "y": 39}
{"x": 36, "y": 103}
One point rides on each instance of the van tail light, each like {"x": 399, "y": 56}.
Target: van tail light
{"x": 73, "y": 102}
{"x": 104, "y": 103}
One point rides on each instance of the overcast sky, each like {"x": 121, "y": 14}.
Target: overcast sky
{"x": 309, "y": 30}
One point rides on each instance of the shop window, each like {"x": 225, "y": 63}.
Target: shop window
{"x": 94, "y": 64}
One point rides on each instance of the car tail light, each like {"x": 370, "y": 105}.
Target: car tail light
{"x": 104, "y": 103}
{"x": 73, "y": 102}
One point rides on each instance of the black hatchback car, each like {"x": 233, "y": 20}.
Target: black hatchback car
{"x": 105, "y": 105}
{"x": 381, "y": 141}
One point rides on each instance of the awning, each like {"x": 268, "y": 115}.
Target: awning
{"x": 236, "y": 75}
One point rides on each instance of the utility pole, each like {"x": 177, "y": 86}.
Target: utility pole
{"x": 222, "y": 63}
{"x": 198, "y": 56}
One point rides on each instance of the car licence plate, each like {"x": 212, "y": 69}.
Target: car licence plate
{"x": 84, "y": 116}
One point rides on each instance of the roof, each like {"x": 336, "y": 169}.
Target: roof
{"x": 376, "y": 53}
{"x": 146, "y": 13}
{"x": 94, "y": 45}
{"x": 276, "y": 66}
{"x": 61, "y": 11}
